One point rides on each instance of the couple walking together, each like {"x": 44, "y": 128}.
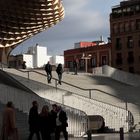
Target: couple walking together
{"x": 59, "y": 71}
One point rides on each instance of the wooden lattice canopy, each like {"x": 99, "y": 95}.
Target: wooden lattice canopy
{"x": 22, "y": 19}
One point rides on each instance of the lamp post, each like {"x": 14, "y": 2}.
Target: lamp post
{"x": 86, "y": 58}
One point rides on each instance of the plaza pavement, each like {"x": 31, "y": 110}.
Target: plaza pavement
{"x": 112, "y": 136}
{"x": 89, "y": 81}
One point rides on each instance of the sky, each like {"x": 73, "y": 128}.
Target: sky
{"x": 85, "y": 20}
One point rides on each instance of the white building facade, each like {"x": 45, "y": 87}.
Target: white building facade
{"x": 37, "y": 57}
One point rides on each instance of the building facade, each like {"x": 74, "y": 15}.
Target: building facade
{"x": 88, "y": 57}
{"x": 36, "y": 57}
{"x": 125, "y": 36}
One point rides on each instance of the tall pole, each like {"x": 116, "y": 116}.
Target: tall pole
{"x": 86, "y": 66}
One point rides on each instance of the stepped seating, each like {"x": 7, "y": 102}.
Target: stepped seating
{"x": 114, "y": 116}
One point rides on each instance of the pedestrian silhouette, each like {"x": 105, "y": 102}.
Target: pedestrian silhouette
{"x": 75, "y": 64}
{"x": 61, "y": 124}
{"x": 9, "y": 129}
{"x": 45, "y": 123}
{"x": 34, "y": 121}
{"x": 48, "y": 69}
{"x": 59, "y": 71}
{"x": 53, "y": 122}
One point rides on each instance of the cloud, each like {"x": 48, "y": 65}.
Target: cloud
{"x": 85, "y": 20}
{"x": 73, "y": 6}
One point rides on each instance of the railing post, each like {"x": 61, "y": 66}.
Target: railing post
{"x": 121, "y": 134}
{"x": 126, "y": 105}
{"x": 89, "y": 135}
{"x": 28, "y": 75}
{"x": 89, "y": 93}
{"x": 56, "y": 83}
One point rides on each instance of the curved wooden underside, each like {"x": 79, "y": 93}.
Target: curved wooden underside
{"x": 22, "y": 19}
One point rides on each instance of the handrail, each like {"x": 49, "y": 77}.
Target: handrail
{"x": 29, "y": 90}
{"x": 93, "y": 89}
{"x": 28, "y": 71}
{"x": 67, "y": 82}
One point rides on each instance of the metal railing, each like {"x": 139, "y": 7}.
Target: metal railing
{"x": 89, "y": 91}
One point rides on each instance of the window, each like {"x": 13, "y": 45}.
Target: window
{"x": 115, "y": 28}
{"x": 93, "y": 62}
{"x": 119, "y": 59}
{"x": 121, "y": 27}
{"x": 130, "y": 58}
{"x": 81, "y": 64}
{"x": 139, "y": 58}
{"x": 139, "y": 43}
{"x": 129, "y": 42}
{"x": 132, "y": 25}
{"x": 118, "y": 43}
{"x": 104, "y": 60}
{"x": 70, "y": 64}
{"x": 138, "y": 24}
{"x": 127, "y": 27}
{"x": 137, "y": 8}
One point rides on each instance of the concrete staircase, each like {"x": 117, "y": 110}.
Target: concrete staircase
{"x": 22, "y": 98}
{"x": 111, "y": 106}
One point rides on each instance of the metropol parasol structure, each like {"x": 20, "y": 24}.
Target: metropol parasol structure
{"x": 22, "y": 19}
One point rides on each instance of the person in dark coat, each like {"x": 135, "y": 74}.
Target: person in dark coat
{"x": 24, "y": 65}
{"x": 75, "y": 64}
{"x": 34, "y": 121}
{"x": 61, "y": 124}
{"x": 59, "y": 71}
{"x": 53, "y": 118}
{"x": 48, "y": 69}
{"x": 45, "y": 123}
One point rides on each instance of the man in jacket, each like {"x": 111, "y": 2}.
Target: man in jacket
{"x": 34, "y": 121}
{"x": 61, "y": 124}
{"x": 59, "y": 71}
{"x": 48, "y": 69}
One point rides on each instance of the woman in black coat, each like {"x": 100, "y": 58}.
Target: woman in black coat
{"x": 59, "y": 71}
{"x": 45, "y": 123}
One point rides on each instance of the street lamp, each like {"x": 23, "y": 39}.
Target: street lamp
{"x": 86, "y": 60}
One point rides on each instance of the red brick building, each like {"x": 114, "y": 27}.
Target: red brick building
{"x": 125, "y": 36}
{"x": 88, "y": 57}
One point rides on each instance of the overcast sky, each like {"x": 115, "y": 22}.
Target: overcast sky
{"x": 85, "y": 20}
